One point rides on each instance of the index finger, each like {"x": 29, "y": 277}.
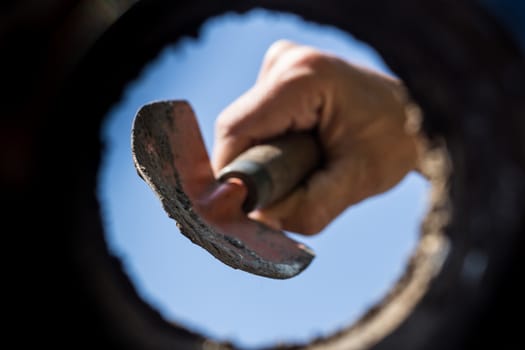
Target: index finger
{"x": 264, "y": 111}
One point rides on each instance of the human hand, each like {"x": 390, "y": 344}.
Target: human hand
{"x": 359, "y": 118}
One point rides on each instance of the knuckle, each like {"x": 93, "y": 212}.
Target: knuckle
{"x": 310, "y": 220}
{"x": 222, "y": 127}
{"x": 291, "y": 55}
{"x": 312, "y": 226}
{"x": 225, "y": 128}
{"x": 278, "y": 48}
{"x": 309, "y": 57}
{"x": 374, "y": 182}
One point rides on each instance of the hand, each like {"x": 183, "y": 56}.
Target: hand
{"x": 359, "y": 117}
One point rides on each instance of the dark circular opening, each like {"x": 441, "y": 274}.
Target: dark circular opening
{"x": 372, "y": 242}
{"x": 462, "y": 90}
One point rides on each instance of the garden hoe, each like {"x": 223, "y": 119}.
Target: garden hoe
{"x": 212, "y": 210}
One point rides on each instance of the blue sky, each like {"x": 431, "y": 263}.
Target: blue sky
{"x": 358, "y": 256}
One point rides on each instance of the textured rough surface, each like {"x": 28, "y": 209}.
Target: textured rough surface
{"x": 461, "y": 67}
{"x": 169, "y": 154}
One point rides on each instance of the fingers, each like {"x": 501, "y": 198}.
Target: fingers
{"x": 313, "y": 206}
{"x": 274, "y": 52}
{"x": 358, "y": 115}
{"x": 361, "y": 172}
{"x": 267, "y": 110}
{"x": 291, "y": 93}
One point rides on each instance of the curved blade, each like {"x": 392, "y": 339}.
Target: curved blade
{"x": 170, "y": 156}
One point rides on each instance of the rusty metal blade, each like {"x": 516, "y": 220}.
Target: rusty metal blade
{"x": 170, "y": 156}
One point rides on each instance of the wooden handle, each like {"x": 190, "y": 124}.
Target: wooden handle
{"x": 272, "y": 170}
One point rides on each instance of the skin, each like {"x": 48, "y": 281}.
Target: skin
{"x": 359, "y": 116}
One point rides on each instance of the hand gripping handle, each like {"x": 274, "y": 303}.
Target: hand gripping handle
{"x": 273, "y": 169}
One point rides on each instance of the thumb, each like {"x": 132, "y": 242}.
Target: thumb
{"x": 325, "y": 195}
